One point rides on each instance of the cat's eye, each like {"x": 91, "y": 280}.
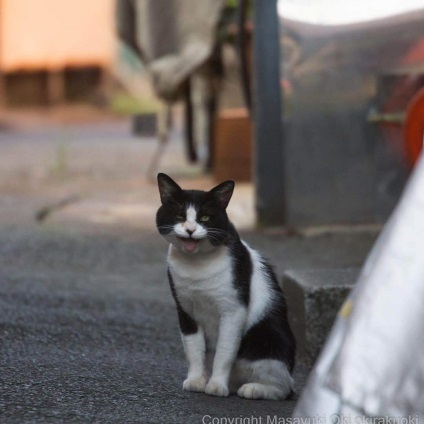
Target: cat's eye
{"x": 204, "y": 218}
{"x": 180, "y": 217}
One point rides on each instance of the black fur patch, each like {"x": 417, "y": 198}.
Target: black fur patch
{"x": 271, "y": 337}
{"x": 187, "y": 324}
{"x": 242, "y": 270}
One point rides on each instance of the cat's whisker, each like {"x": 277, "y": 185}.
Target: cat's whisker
{"x": 166, "y": 227}
{"x": 220, "y": 235}
{"x": 218, "y": 230}
{"x": 214, "y": 239}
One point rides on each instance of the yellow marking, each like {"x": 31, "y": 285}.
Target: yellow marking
{"x": 346, "y": 309}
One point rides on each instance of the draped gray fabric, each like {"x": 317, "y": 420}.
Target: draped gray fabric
{"x": 172, "y": 37}
{"x": 373, "y": 364}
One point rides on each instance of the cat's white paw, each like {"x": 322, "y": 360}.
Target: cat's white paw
{"x": 196, "y": 384}
{"x": 260, "y": 391}
{"x": 214, "y": 388}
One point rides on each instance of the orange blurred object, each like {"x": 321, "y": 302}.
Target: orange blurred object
{"x": 233, "y": 146}
{"x": 414, "y": 127}
{"x": 54, "y": 34}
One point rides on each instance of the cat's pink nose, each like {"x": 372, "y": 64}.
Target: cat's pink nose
{"x": 189, "y": 232}
{"x": 189, "y": 226}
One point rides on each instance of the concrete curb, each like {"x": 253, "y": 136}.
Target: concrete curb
{"x": 314, "y": 297}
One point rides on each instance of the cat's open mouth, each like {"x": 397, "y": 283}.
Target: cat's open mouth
{"x": 189, "y": 244}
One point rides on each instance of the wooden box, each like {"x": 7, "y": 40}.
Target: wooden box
{"x": 233, "y": 146}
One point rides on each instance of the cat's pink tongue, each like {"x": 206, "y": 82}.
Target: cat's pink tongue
{"x": 189, "y": 244}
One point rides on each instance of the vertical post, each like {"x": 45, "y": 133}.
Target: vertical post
{"x": 268, "y": 116}
{"x": 3, "y": 92}
{"x": 56, "y": 87}
{"x": 189, "y": 123}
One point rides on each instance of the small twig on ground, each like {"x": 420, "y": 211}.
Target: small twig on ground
{"x": 43, "y": 213}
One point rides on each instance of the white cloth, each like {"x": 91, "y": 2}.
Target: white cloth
{"x": 373, "y": 362}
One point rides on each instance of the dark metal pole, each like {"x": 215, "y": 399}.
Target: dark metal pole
{"x": 189, "y": 124}
{"x": 242, "y": 53}
{"x": 268, "y": 116}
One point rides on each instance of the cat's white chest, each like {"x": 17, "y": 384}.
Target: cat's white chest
{"x": 204, "y": 288}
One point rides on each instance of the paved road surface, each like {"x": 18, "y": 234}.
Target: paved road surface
{"x": 89, "y": 332}
{"x": 88, "y": 329}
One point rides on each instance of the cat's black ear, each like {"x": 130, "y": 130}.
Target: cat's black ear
{"x": 168, "y": 188}
{"x": 223, "y": 192}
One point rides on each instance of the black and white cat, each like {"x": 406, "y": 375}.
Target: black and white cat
{"x": 232, "y": 313}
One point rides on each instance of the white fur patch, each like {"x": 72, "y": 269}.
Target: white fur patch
{"x": 260, "y": 293}
{"x": 204, "y": 287}
{"x": 194, "y": 347}
{"x": 191, "y": 214}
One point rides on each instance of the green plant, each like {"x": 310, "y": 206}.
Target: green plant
{"x": 59, "y": 169}
{"x": 125, "y": 104}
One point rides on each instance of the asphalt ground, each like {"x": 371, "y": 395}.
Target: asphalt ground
{"x": 88, "y": 328}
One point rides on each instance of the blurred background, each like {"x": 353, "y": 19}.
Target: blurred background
{"x": 84, "y": 130}
{"x": 318, "y": 116}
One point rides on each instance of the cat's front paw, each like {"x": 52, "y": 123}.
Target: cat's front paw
{"x": 195, "y": 384}
{"x": 214, "y": 388}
